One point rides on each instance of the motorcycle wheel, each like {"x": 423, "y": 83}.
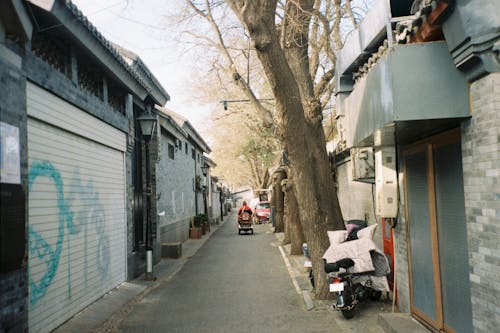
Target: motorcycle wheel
{"x": 375, "y": 295}
{"x": 348, "y": 314}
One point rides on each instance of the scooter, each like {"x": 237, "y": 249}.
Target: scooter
{"x": 245, "y": 223}
{"x": 351, "y": 288}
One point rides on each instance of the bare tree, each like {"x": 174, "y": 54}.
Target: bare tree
{"x": 283, "y": 52}
{"x": 294, "y": 41}
{"x": 278, "y": 199}
{"x": 293, "y": 224}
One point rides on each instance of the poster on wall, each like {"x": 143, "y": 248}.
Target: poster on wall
{"x": 10, "y": 161}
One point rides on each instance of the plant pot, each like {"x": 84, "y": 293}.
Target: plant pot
{"x": 203, "y": 228}
{"x": 195, "y": 233}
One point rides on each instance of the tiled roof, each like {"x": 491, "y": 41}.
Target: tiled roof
{"x": 137, "y": 64}
{"x": 77, "y": 13}
{"x": 186, "y": 125}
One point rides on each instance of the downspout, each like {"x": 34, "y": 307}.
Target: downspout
{"x": 195, "y": 188}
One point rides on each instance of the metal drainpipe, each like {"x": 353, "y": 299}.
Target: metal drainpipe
{"x": 195, "y": 187}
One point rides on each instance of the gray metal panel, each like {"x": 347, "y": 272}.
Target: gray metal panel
{"x": 422, "y": 269}
{"x": 410, "y": 83}
{"x": 426, "y": 83}
{"x": 452, "y": 236}
{"x": 370, "y": 105}
{"x": 373, "y": 23}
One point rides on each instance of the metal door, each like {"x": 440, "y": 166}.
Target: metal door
{"x": 76, "y": 217}
{"x": 438, "y": 256}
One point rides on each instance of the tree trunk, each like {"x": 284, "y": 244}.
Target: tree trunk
{"x": 318, "y": 205}
{"x": 293, "y": 220}
{"x": 278, "y": 200}
{"x": 286, "y": 216}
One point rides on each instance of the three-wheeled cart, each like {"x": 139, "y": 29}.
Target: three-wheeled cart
{"x": 245, "y": 223}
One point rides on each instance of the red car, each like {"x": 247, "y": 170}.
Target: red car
{"x": 262, "y": 212}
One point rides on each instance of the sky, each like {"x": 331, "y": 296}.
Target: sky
{"x": 146, "y": 28}
{"x": 142, "y": 27}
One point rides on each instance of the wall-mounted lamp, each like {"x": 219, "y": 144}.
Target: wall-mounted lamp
{"x": 204, "y": 169}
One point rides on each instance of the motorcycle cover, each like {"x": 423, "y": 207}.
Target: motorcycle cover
{"x": 364, "y": 252}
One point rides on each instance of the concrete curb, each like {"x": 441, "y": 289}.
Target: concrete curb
{"x": 290, "y": 271}
{"x": 308, "y": 300}
{"x": 306, "y": 294}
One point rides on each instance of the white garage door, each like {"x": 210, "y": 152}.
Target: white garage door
{"x": 77, "y": 225}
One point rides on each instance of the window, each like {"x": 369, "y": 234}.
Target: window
{"x": 186, "y": 146}
{"x": 171, "y": 151}
{"x": 179, "y": 144}
{"x": 193, "y": 153}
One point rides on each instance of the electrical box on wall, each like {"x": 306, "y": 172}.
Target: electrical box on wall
{"x": 386, "y": 185}
{"x": 363, "y": 168}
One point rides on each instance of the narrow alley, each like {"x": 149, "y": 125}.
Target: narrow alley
{"x": 226, "y": 282}
{"x": 233, "y": 283}
{"x": 356, "y": 142}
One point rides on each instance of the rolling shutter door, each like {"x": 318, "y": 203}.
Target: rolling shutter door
{"x": 77, "y": 224}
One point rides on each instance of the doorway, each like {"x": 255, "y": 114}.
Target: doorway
{"x": 437, "y": 235}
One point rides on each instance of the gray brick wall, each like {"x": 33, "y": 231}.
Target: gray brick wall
{"x": 13, "y": 285}
{"x": 175, "y": 192}
{"x": 13, "y": 305}
{"x": 481, "y": 165}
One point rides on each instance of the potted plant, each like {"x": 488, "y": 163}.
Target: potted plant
{"x": 201, "y": 219}
{"x": 195, "y": 228}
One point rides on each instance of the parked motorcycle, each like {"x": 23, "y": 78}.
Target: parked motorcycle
{"x": 351, "y": 288}
{"x": 356, "y": 269}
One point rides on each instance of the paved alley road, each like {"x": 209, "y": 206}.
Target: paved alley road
{"x": 232, "y": 284}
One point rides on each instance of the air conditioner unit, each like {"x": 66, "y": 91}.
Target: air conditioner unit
{"x": 363, "y": 167}
{"x": 386, "y": 185}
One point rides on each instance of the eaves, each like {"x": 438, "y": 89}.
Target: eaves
{"x": 77, "y": 24}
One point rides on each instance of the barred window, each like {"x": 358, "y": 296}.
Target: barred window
{"x": 171, "y": 151}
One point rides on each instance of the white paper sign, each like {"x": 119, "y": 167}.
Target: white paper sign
{"x": 10, "y": 160}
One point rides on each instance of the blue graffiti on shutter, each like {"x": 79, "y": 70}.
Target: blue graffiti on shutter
{"x": 92, "y": 213}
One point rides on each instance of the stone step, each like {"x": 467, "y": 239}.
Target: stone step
{"x": 400, "y": 323}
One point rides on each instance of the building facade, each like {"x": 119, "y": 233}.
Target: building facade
{"x": 73, "y": 164}
{"x": 180, "y": 175}
{"x": 417, "y": 84}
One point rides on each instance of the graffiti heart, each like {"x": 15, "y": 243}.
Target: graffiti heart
{"x": 91, "y": 213}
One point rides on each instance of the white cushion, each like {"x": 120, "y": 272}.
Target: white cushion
{"x": 367, "y": 232}
{"x": 337, "y": 236}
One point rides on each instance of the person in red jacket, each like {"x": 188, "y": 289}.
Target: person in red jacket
{"x": 245, "y": 209}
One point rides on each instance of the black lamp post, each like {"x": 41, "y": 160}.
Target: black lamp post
{"x": 204, "y": 170}
{"x": 147, "y": 123}
{"x": 221, "y": 201}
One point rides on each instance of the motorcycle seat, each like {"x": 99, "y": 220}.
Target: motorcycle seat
{"x": 336, "y": 266}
